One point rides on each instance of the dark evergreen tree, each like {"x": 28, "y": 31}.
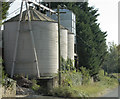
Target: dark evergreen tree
{"x": 4, "y": 6}
{"x": 118, "y": 48}
{"x": 91, "y": 42}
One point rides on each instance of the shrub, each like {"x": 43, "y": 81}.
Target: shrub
{"x": 101, "y": 74}
{"x": 4, "y": 77}
{"x": 66, "y": 65}
{"x": 64, "y": 92}
{"x": 85, "y": 75}
{"x": 5, "y": 81}
{"x": 71, "y": 78}
{"x": 35, "y": 86}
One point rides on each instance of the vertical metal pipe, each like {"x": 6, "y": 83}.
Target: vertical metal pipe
{"x": 33, "y": 41}
{"x": 59, "y": 44}
{"x": 16, "y": 42}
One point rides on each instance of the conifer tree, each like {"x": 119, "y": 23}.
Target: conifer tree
{"x": 91, "y": 42}
{"x": 4, "y": 8}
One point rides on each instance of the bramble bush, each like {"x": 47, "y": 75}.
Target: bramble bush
{"x": 85, "y": 75}
{"x": 35, "y": 86}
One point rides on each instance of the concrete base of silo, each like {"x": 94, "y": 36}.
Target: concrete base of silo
{"x": 48, "y": 82}
{"x": 47, "y": 74}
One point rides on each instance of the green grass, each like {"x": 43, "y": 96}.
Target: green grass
{"x": 64, "y": 92}
{"x": 90, "y": 90}
{"x": 95, "y": 89}
{"x": 86, "y": 90}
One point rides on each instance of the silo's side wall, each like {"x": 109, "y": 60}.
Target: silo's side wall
{"x": 25, "y": 58}
{"x": 46, "y": 39}
{"x": 63, "y": 43}
{"x": 46, "y": 42}
{"x": 1, "y": 43}
{"x": 9, "y": 36}
{"x": 71, "y": 46}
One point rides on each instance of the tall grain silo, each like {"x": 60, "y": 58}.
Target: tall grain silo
{"x": 71, "y": 46}
{"x": 45, "y": 32}
{"x": 67, "y": 19}
{"x": 0, "y": 42}
{"x": 63, "y": 42}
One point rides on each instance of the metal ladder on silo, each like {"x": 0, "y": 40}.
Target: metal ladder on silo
{"x": 32, "y": 38}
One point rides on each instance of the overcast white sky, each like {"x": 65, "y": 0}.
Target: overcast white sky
{"x": 108, "y": 19}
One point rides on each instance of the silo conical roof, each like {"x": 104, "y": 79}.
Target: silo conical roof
{"x": 34, "y": 16}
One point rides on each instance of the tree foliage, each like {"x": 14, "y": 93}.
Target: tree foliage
{"x": 111, "y": 63}
{"x": 118, "y": 49}
{"x": 4, "y": 6}
{"x": 91, "y": 42}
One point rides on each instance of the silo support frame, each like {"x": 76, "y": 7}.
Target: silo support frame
{"x": 33, "y": 41}
{"x": 16, "y": 43}
{"x": 17, "y": 38}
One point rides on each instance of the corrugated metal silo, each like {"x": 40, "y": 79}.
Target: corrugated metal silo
{"x": 63, "y": 42}
{"x": 71, "y": 46}
{"x": 68, "y": 20}
{"x": 45, "y": 31}
{"x": 1, "y": 43}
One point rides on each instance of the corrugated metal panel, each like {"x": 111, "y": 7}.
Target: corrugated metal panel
{"x": 63, "y": 43}
{"x": 35, "y": 15}
{"x": 71, "y": 46}
{"x": 46, "y": 41}
{"x": 68, "y": 19}
{"x": 1, "y": 39}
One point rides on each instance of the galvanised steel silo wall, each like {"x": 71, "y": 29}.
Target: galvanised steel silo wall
{"x": 46, "y": 42}
{"x": 46, "y": 39}
{"x": 71, "y": 46}
{"x": 63, "y": 42}
{"x": 1, "y": 43}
